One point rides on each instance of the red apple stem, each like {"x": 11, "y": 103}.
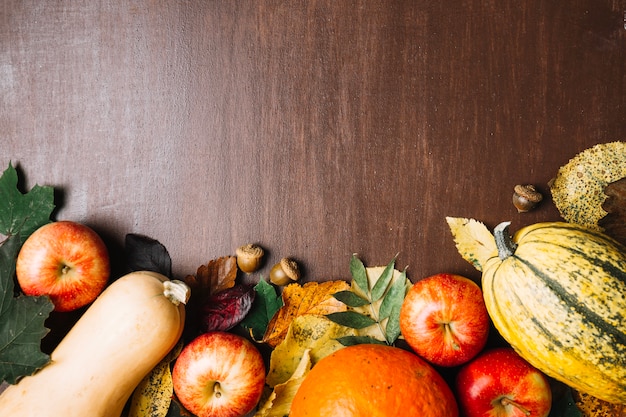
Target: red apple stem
{"x": 216, "y": 390}
{"x": 449, "y": 335}
{"x": 507, "y": 401}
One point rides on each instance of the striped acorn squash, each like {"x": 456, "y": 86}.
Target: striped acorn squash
{"x": 557, "y": 293}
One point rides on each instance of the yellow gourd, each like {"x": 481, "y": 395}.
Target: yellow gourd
{"x": 557, "y": 293}
{"x": 125, "y": 333}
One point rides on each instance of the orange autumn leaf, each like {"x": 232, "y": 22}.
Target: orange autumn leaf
{"x": 311, "y": 298}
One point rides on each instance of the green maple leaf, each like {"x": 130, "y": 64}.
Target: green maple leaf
{"x": 21, "y": 317}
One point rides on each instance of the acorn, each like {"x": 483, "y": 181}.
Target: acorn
{"x": 526, "y": 198}
{"x": 249, "y": 257}
{"x": 284, "y": 272}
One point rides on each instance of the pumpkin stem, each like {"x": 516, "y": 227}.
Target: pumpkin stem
{"x": 504, "y": 242}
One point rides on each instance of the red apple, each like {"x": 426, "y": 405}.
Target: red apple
{"x": 444, "y": 319}
{"x": 500, "y": 383}
{"x": 219, "y": 374}
{"x": 65, "y": 260}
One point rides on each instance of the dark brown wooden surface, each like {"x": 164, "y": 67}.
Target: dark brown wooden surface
{"x": 317, "y": 129}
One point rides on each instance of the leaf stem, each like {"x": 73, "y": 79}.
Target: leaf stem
{"x": 375, "y": 317}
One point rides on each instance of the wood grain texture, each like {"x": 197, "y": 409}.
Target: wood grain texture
{"x": 316, "y": 129}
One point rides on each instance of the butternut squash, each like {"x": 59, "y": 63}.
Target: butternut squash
{"x": 125, "y": 333}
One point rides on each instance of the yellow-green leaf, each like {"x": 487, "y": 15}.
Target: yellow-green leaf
{"x": 473, "y": 240}
{"x": 279, "y": 402}
{"x": 315, "y": 334}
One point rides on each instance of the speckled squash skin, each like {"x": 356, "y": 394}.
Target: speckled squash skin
{"x": 559, "y": 298}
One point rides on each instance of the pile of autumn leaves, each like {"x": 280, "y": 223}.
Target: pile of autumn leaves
{"x": 302, "y": 323}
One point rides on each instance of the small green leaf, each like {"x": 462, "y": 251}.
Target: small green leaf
{"x": 350, "y": 299}
{"x": 359, "y": 274}
{"x": 358, "y": 340}
{"x": 394, "y": 297}
{"x": 392, "y": 329}
{"x": 383, "y": 281}
{"x": 391, "y": 305}
{"x": 351, "y": 319}
{"x": 266, "y": 303}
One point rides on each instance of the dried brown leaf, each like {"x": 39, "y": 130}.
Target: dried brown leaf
{"x": 310, "y": 298}
{"x": 614, "y": 223}
{"x": 217, "y": 275}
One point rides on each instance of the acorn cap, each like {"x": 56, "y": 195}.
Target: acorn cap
{"x": 290, "y": 268}
{"x": 250, "y": 250}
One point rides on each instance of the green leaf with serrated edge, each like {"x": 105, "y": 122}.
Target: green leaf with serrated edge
{"x": 383, "y": 281}
{"x": 22, "y": 214}
{"x": 350, "y": 299}
{"x": 266, "y": 303}
{"x": 22, "y": 318}
{"x": 358, "y": 340}
{"x": 351, "y": 319}
{"x": 359, "y": 274}
{"x": 21, "y": 330}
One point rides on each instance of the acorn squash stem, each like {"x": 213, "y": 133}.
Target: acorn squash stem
{"x": 504, "y": 242}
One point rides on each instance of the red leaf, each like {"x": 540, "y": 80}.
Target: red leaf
{"x": 225, "y": 309}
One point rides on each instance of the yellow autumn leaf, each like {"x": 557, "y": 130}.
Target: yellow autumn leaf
{"x": 311, "y": 298}
{"x": 376, "y": 331}
{"x": 308, "y": 333}
{"x": 278, "y": 404}
{"x": 577, "y": 189}
{"x": 473, "y": 240}
{"x": 153, "y": 395}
